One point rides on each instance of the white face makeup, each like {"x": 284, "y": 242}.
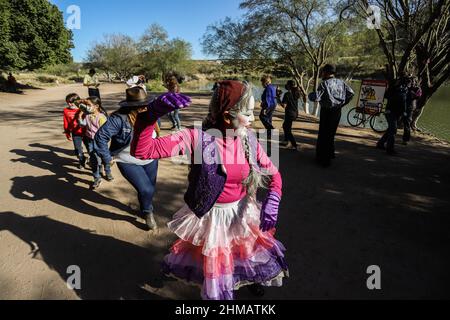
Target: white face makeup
{"x": 245, "y": 117}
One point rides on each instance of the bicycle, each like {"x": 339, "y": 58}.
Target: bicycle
{"x": 376, "y": 118}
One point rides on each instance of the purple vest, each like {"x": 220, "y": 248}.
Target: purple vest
{"x": 207, "y": 180}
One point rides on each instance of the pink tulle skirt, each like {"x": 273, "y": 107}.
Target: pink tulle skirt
{"x": 225, "y": 250}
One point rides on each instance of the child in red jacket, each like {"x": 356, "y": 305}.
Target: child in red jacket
{"x": 72, "y": 129}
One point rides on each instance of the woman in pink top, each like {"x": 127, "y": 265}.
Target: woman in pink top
{"x": 226, "y": 236}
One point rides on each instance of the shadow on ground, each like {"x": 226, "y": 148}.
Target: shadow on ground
{"x": 110, "y": 268}
{"x": 61, "y": 188}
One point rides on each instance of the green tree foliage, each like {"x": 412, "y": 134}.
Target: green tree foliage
{"x": 154, "y": 54}
{"x": 297, "y": 36}
{"x": 116, "y": 55}
{"x": 33, "y": 35}
{"x": 306, "y": 25}
{"x": 357, "y": 52}
{"x": 300, "y": 36}
{"x": 160, "y": 55}
{"x": 237, "y": 44}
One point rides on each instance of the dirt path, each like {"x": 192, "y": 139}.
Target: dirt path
{"x": 368, "y": 209}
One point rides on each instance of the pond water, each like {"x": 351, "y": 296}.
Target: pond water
{"x": 435, "y": 118}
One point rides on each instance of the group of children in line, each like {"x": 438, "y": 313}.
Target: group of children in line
{"x": 82, "y": 119}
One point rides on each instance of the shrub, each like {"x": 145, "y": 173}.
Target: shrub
{"x": 46, "y": 79}
{"x": 77, "y": 79}
{"x": 63, "y": 70}
{"x": 155, "y": 86}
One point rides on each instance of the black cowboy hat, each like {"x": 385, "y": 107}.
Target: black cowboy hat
{"x": 136, "y": 97}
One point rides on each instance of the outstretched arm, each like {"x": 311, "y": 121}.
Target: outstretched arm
{"x": 144, "y": 146}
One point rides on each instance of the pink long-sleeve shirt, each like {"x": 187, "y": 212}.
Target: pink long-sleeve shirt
{"x": 144, "y": 146}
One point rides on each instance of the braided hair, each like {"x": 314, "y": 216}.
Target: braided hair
{"x": 256, "y": 178}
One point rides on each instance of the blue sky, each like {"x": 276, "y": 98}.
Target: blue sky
{"x": 186, "y": 19}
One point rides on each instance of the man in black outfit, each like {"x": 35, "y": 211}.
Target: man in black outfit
{"x": 414, "y": 94}
{"x": 333, "y": 94}
{"x": 396, "y": 108}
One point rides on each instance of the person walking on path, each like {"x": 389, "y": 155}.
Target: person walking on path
{"x": 173, "y": 85}
{"x": 137, "y": 81}
{"x": 290, "y": 105}
{"x": 73, "y": 130}
{"x": 226, "y": 236}
{"x": 268, "y": 104}
{"x": 118, "y": 130}
{"x": 92, "y": 117}
{"x": 396, "y": 108}
{"x": 414, "y": 94}
{"x": 333, "y": 94}
{"x": 91, "y": 81}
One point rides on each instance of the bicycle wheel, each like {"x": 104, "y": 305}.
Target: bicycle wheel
{"x": 355, "y": 119}
{"x": 378, "y": 123}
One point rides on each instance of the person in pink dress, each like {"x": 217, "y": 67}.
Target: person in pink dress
{"x": 226, "y": 237}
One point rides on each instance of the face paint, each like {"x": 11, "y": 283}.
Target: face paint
{"x": 244, "y": 118}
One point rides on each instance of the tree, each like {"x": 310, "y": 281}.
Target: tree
{"x": 356, "y": 52}
{"x": 292, "y": 35}
{"x": 178, "y": 56}
{"x": 116, "y": 55}
{"x": 237, "y": 43}
{"x": 258, "y": 45}
{"x": 33, "y": 35}
{"x": 310, "y": 23}
{"x": 414, "y": 37}
{"x": 153, "y": 55}
{"x": 159, "y": 55}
